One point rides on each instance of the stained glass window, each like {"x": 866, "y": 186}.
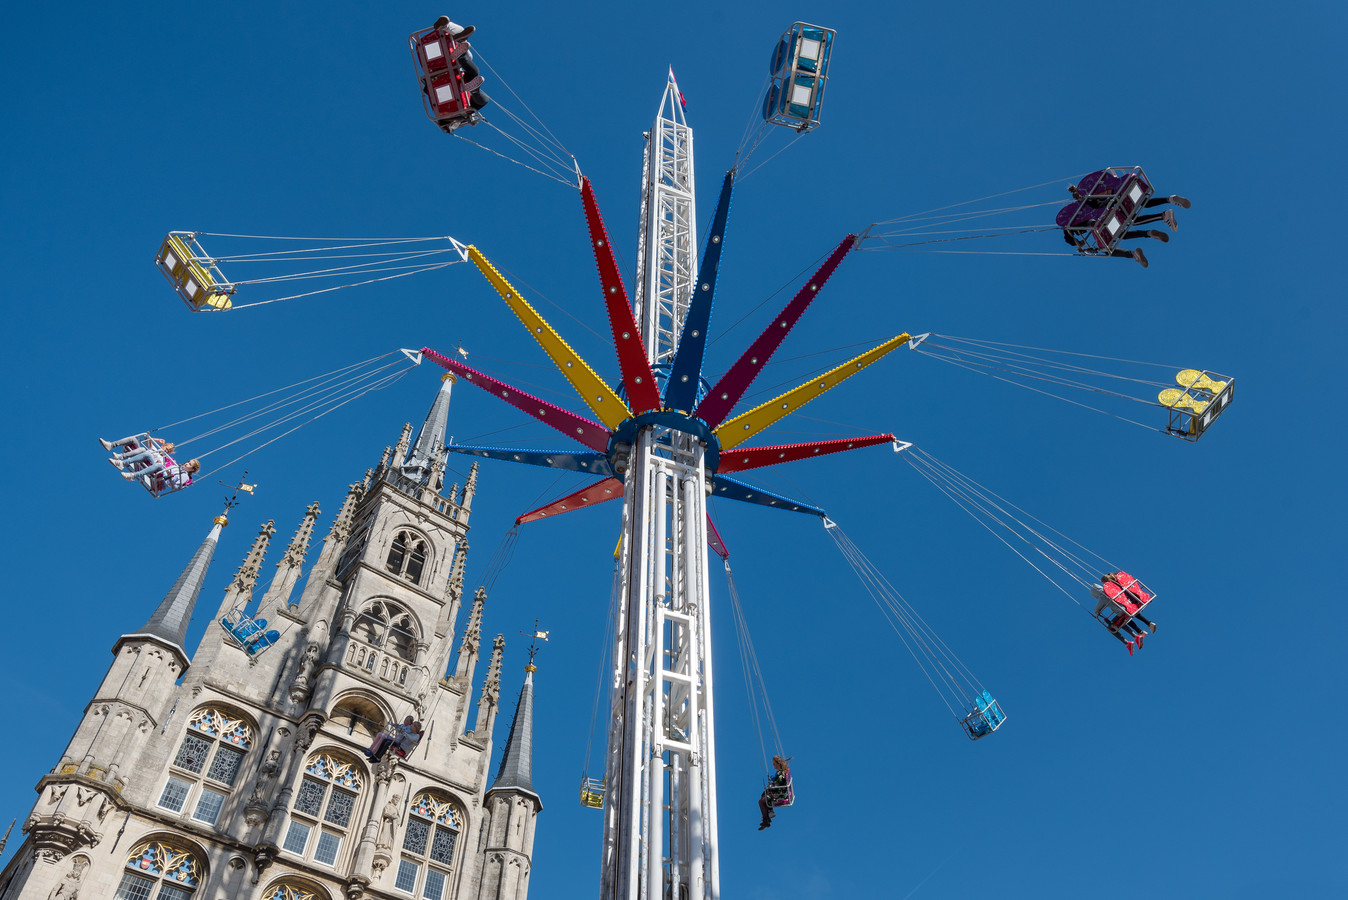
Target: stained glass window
{"x": 309, "y": 800}
{"x": 442, "y": 848}
{"x": 431, "y": 833}
{"x": 225, "y": 765}
{"x": 340, "y": 805}
{"x": 160, "y": 869}
{"x": 328, "y": 791}
{"x": 418, "y": 832}
{"x": 192, "y": 754}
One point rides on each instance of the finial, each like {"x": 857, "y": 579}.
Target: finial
{"x": 233, "y": 499}
{"x": 533, "y": 646}
{"x": 450, "y": 377}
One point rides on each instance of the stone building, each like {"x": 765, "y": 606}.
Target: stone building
{"x": 238, "y": 772}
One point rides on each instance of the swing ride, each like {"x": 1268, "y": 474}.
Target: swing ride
{"x": 666, "y": 438}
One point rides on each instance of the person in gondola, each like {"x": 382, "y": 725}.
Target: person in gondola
{"x": 411, "y": 736}
{"x": 478, "y": 98}
{"x": 1121, "y": 625}
{"x": 165, "y": 474}
{"x": 139, "y": 448}
{"x": 387, "y": 738}
{"x": 777, "y": 793}
{"x": 1097, "y": 187}
{"x": 1132, "y": 589}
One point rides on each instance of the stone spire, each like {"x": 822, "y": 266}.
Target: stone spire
{"x": 240, "y": 591}
{"x": 170, "y": 620}
{"x": 469, "y": 489}
{"x": 426, "y": 456}
{"x": 516, "y": 772}
{"x": 491, "y": 690}
{"x": 292, "y": 563}
{"x": 471, "y": 644}
{"x": 404, "y": 441}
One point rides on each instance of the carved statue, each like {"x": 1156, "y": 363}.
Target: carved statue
{"x": 69, "y": 888}
{"x": 307, "y": 666}
{"x": 266, "y": 774}
{"x": 388, "y": 820}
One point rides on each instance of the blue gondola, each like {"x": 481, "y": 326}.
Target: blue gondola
{"x": 799, "y": 73}
{"x": 247, "y": 633}
{"x": 985, "y": 716}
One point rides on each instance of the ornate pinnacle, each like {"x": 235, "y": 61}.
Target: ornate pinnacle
{"x": 341, "y": 525}
{"x": 405, "y": 441}
{"x": 299, "y": 544}
{"x": 472, "y": 632}
{"x": 491, "y": 688}
{"x": 246, "y": 577}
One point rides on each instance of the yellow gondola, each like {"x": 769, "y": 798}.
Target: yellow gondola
{"x": 192, "y": 274}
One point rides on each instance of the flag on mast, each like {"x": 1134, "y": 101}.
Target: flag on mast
{"x": 674, "y": 81}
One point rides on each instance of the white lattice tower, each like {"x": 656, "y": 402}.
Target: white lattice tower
{"x": 660, "y": 819}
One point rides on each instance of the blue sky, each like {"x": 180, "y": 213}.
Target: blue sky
{"x": 1205, "y": 766}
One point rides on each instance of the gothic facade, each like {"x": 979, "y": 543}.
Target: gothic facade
{"x": 238, "y": 772}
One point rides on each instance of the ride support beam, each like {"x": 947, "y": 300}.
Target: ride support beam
{"x": 686, "y": 373}
{"x": 591, "y": 434}
{"x": 746, "y": 425}
{"x": 602, "y": 399}
{"x": 590, "y": 495}
{"x": 721, "y": 399}
{"x": 642, "y": 391}
{"x": 757, "y": 457}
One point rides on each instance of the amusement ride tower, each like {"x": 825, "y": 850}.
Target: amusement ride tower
{"x": 660, "y": 821}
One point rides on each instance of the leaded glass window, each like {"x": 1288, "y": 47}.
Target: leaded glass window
{"x": 225, "y": 765}
{"x": 340, "y": 805}
{"x": 442, "y": 848}
{"x": 208, "y": 806}
{"x": 162, "y": 870}
{"x": 309, "y": 800}
{"x": 296, "y": 837}
{"x": 407, "y": 876}
{"x": 215, "y": 737}
{"x": 435, "y": 885}
{"x": 133, "y": 887}
{"x": 192, "y": 754}
{"x": 175, "y": 794}
{"x": 328, "y": 793}
{"x": 428, "y": 845}
{"x": 328, "y": 845}
{"x": 418, "y": 832}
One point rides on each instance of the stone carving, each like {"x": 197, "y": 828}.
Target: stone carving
{"x": 308, "y": 663}
{"x": 388, "y": 821}
{"x": 69, "y": 888}
{"x": 266, "y": 774}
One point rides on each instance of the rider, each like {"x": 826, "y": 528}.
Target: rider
{"x": 777, "y": 793}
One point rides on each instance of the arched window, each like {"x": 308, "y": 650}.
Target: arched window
{"x": 428, "y": 847}
{"x": 388, "y": 626}
{"x": 160, "y": 870}
{"x": 207, "y": 764}
{"x": 358, "y": 716}
{"x": 289, "y": 889}
{"x": 407, "y": 556}
{"x": 325, "y": 803}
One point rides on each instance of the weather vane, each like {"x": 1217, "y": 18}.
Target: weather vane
{"x": 533, "y": 645}
{"x": 233, "y": 499}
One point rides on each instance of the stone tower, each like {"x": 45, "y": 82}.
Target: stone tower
{"x": 239, "y": 772}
